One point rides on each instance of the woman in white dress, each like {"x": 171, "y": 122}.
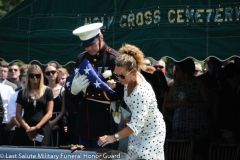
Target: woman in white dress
{"x": 146, "y": 128}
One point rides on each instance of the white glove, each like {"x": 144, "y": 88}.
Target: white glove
{"x": 79, "y": 83}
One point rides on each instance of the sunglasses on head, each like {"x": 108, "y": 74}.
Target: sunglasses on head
{"x": 11, "y": 70}
{"x": 31, "y": 75}
{"x": 122, "y": 76}
{"x": 50, "y": 72}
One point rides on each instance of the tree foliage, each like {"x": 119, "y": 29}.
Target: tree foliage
{"x": 7, "y": 5}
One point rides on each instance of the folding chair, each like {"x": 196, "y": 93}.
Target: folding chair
{"x": 218, "y": 151}
{"x": 178, "y": 149}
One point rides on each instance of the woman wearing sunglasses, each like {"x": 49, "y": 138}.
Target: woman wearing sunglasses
{"x": 56, "y": 123}
{"x": 146, "y": 128}
{"x": 37, "y": 101}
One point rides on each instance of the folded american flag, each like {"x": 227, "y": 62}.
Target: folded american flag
{"x": 96, "y": 80}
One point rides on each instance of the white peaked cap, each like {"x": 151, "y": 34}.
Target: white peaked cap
{"x": 88, "y": 31}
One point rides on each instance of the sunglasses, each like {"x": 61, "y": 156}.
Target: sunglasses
{"x": 34, "y": 75}
{"x": 158, "y": 67}
{"x": 11, "y": 70}
{"x": 50, "y": 72}
{"x": 122, "y": 76}
{"x": 148, "y": 64}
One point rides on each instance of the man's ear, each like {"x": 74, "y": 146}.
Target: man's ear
{"x": 101, "y": 37}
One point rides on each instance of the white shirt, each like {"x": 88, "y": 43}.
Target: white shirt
{"x": 6, "y": 92}
{"x": 13, "y": 105}
{"x": 4, "y": 81}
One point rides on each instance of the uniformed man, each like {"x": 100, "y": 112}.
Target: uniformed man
{"x": 93, "y": 105}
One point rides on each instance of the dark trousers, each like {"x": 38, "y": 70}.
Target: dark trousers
{"x": 201, "y": 148}
{"x": 70, "y": 138}
{"x": 57, "y": 136}
{"x": 17, "y": 138}
{"x": 60, "y": 138}
{"x": 6, "y": 137}
{"x": 168, "y": 124}
{"x": 91, "y": 143}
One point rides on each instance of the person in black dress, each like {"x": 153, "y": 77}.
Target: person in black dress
{"x": 37, "y": 102}
{"x": 56, "y": 122}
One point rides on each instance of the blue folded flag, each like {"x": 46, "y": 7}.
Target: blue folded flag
{"x": 96, "y": 80}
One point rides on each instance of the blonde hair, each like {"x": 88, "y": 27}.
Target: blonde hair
{"x": 63, "y": 71}
{"x": 27, "y": 88}
{"x": 149, "y": 69}
{"x": 131, "y": 57}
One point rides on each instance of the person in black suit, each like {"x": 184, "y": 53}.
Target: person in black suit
{"x": 14, "y": 73}
{"x": 4, "y": 74}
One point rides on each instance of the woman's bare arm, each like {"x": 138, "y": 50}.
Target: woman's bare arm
{"x": 19, "y": 117}
{"x": 169, "y": 103}
{"x": 63, "y": 110}
{"x": 47, "y": 116}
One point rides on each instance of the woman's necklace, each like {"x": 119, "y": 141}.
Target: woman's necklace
{"x": 34, "y": 98}
{"x": 34, "y": 104}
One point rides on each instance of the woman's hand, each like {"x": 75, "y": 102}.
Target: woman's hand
{"x": 32, "y": 138}
{"x": 53, "y": 125}
{"x": 127, "y": 120}
{"x": 111, "y": 83}
{"x": 65, "y": 129}
{"x": 228, "y": 136}
{"x": 9, "y": 125}
{"x": 56, "y": 127}
{"x": 32, "y": 132}
{"x": 185, "y": 103}
{"x": 104, "y": 140}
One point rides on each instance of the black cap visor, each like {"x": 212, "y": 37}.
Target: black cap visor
{"x": 89, "y": 42}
